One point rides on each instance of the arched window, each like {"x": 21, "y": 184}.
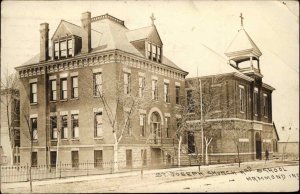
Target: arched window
{"x": 156, "y": 127}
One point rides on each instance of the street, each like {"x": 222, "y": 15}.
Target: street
{"x": 255, "y": 176}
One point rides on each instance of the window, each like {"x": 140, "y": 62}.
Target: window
{"x": 70, "y": 47}
{"x": 56, "y": 50}
{"x": 177, "y": 94}
{"x": 53, "y": 90}
{"x": 143, "y": 124}
{"x": 149, "y": 53}
{"x": 53, "y": 125}
{"x": 34, "y": 159}
{"x": 75, "y": 159}
{"x": 168, "y": 126}
{"x": 166, "y": 93}
{"x": 154, "y": 90}
{"x": 98, "y": 124}
{"x": 242, "y": 98}
{"x": 33, "y": 93}
{"x": 191, "y": 142}
{"x": 17, "y": 137}
{"x": 144, "y": 156}
{"x": 158, "y": 54}
{"x": 64, "y": 126}
{"x": 33, "y": 122}
{"x": 128, "y": 158}
{"x": 63, "y": 49}
{"x": 75, "y": 125}
{"x": 64, "y": 89}
{"x": 153, "y": 52}
{"x": 126, "y": 83}
{"x": 190, "y": 101}
{"x": 53, "y": 159}
{"x": 128, "y": 124}
{"x": 255, "y": 101}
{"x": 97, "y": 78}
{"x": 98, "y": 158}
{"x": 74, "y": 92}
{"x": 265, "y": 105}
{"x": 141, "y": 86}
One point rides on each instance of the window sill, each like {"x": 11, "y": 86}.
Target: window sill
{"x": 256, "y": 115}
{"x": 98, "y": 138}
{"x": 33, "y": 103}
{"x": 53, "y": 140}
{"x": 265, "y": 117}
{"x": 34, "y": 141}
{"x": 75, "y": 139}
{"x": 242, "y": 112}
{"x": 52, "y": 101}
{"x": 63, "y": 100}
{"x": 74, "y": 99}
{"x": 64, "y": 139}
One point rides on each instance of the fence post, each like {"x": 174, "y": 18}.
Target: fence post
{"x": 27, "y": 169}
{"x": 59, "y": 169}
{"x": 87, "y": 168}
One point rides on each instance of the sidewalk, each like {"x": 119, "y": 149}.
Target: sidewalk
{"x": 148, "y": 174}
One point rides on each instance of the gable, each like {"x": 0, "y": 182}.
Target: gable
{"x": 154, "y": 36}
{"x": 65, "y": 28}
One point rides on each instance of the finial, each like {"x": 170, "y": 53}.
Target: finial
{"x": 242, "y": 18}
{"x": 152, "y": 19}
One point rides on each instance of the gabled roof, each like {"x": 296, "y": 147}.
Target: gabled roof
{"x": 71, "y": 28}
{"x": 149, "y": 32}
{"x": 242, "y": 44}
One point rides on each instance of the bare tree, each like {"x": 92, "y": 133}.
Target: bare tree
{"x": 10, "y": 101}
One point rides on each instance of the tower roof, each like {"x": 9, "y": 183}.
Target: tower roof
{"x": 242, "y": 47}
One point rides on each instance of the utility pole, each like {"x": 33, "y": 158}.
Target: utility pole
{"x": 201, "y": 115}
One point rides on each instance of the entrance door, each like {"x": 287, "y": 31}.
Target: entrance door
{"x": 191, "y": 142}
{"x": 258, "y": 146}
{"x": 155, "y": 127}
{"x": 53, "y": 159}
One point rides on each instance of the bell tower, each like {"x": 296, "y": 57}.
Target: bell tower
{"x": 243, "y": 54}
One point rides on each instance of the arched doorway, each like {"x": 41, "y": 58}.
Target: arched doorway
{"x": 191, "y": 142}
{"x": 258, "y": 146}
{"x": 156, "y": 127}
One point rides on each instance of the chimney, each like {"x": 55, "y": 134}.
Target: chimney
{"x": 44, "y": 42}
{"x": 86, "y": 37}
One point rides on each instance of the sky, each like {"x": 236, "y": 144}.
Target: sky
{"x": 195, "y": 35}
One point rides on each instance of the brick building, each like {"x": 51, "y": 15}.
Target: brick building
{"x": 237, "y": 107}
{"x": 78, "y": 94}
{"x": 61, "y": 91}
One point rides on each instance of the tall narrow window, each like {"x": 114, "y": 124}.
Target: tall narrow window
{"x": 242, "y": 98}
{"x": 149, "y": 53}
{"x": 166, "y": 93}
{"x": 64, "y": 89}
{"x": 255, "y": 101}
{"x": 70, "y": 48}
{"x": 265, "y": 105}
{"x": 154, "y": 52}
{"x": 75, "y": 159}
{"x": 128, "y": 123}
{"x": 141, "y": 86}
{"x": 177, "y": 94}
{"x": 75, "y": 126}
{"x": 74, "y": 92}
{"x": 143, "y": 124}
{"x": 34, "y": 159}
{"x": 190, "y": 101}
{"x": 98, "y": 158}
{"x": 159, "y": 54}
{"x": 64, "y": 126}
{"x": 97, "y": 79}
{"x": 33, "y": 93}
{"x": 191, "y": 142}
{"x": 53, "y": 90}
{"x": 98, "y": 124}
{"x": 53, "y": 123}
{"x": 168, "y": 126}
{"x": 154, "y": 90}
{"x": 56, "y": 50}
{"x": 34, "y": 131}
{"x": 128, "y": 158}
{"x": 63, "y": 49}
{"x": 126, "y": 83}
{"x": 144, "y": 156}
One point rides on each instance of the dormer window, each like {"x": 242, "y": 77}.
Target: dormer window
{"x": 153, "y": 52}
{"x": 63, "y": 48}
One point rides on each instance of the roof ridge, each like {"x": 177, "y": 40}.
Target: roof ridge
{"x": 140, "y": 28}
{"x": 71, "y": 23}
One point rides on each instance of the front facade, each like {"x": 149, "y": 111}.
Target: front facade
{"x": 68, "y": 95}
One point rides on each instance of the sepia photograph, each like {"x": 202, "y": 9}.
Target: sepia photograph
{"x": 165, "y": 96}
